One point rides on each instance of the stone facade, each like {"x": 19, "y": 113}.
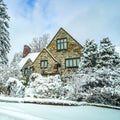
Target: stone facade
{"x": 61, "y": 56}
{"x": 45, "y": 56}
{"x": 57, "y": 58}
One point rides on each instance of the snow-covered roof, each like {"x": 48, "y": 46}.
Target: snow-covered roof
{"x": 31, "y": 56}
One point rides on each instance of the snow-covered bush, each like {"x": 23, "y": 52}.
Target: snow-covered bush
{"x": 92, "y": 81}
{"x": 78, "y": 86}
{"x": 44, "y": 87}
{"x": 95, "y": 87}
{"x": 15, "y": 87}
{"x": 66, "y": 88}
{"x": 106, "y": 95}
{"x": 7, "y": 71}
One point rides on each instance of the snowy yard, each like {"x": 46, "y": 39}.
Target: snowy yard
{"x": 22, "y": 111}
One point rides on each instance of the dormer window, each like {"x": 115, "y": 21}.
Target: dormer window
{"x": 62, "y": 44}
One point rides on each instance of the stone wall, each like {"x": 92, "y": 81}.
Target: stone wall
{"x": 56, "y": 58}
{"x": 44, "y": 55}
{"x": 73, "y": 51}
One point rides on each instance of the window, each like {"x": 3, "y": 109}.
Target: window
{"x": 71, "y": 63}
{"x": 27, "y": 71}
{"x": 44, "y": 64}
{"x": 62, "y": 44}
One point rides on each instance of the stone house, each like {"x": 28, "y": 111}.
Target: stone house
{"x": 61, "y": 56}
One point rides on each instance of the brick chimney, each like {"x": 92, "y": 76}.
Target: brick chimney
{"x": 26, "y": 50}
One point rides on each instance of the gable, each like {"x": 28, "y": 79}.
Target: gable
{"x": 62, "y": 34}
{"x": 44, "y": 55}
{"x": 72, "y": 50}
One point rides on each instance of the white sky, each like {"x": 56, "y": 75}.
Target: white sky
{"x": 83, "y": 19}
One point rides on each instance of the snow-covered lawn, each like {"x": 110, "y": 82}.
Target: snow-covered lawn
{"x": 22, "y": 111}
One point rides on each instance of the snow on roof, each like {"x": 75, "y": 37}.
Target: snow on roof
{"x": 31, "y": 56}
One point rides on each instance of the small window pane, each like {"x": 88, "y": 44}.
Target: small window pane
{"x": 78, "y": 61}
{"x": 58, "y": 41}
{"x": 42, "y": 64}
{"x": 62, "y": 46}
{"x": 45, "y": 64}
{"x": 65, "y": 45}
{"x": 74, "y": 62}
{"x": 70, "y": 63}
{"x": 62, "y": 40}
{"x": 65, "y": 40}
{"x": 67, "y": 63}
{"x": 58, "y": 46}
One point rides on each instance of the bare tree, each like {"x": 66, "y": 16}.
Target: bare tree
{"x": 16, "y": 59}
{"x": 39, "y": 43}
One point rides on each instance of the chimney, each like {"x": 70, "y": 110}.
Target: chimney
{"x": 26, "y": 50}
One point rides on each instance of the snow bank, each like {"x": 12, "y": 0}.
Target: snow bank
{"x": 53, "y": 102}
{"x": 38, "y": 101}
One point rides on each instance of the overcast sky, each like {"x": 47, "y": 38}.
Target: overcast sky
{"x": 83, "y": 19}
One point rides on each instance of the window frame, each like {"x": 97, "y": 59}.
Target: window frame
{"x": 27, "y": 71}
{"x": 61, "y": 44}
{"x": 72, "y": 62}
{"x": 43, "y": 64}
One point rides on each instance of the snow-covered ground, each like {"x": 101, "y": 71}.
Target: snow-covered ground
{"x": 52, "y": 102}
{"x": 40, "y": 101}
{"x": 21, "y": 111}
